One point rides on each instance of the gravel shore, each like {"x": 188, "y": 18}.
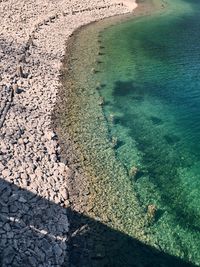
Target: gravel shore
{"x": 34, "y": 198}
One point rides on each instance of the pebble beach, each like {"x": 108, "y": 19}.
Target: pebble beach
{"x": 34, "y": 225}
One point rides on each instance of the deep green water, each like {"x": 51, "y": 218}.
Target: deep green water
{"x": 150, "y": 68}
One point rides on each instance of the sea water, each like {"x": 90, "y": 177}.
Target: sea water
{"x": 150, "y": 72}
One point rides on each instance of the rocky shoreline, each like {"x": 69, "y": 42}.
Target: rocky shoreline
{"x": 34, "y": 199}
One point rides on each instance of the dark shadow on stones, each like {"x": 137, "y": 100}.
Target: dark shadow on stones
{"x": 110, "y": 248}
{"x": 34, "y": 222}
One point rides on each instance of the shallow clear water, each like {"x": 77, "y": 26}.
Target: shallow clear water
{"x": 150, "y": 69}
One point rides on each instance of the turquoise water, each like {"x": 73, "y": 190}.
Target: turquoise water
{"x": 150, "y": 72}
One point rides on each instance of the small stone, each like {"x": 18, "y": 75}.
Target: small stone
{"x": 151, "y": 212}
{"x": 133, "y": 171}
{"x": 50, "y": 135}
{"x": 20, "y": 83}
{"x": 19, "y": 71}
{"x": 53, "y": 157}
{"x": 38, "y": 172}
{"x": 26, "y": 140}
{"x": 5, "y": 208}
{"x": 24, "y": 176}
{"x": 7, "y": 227}
{"x": 3, "y": 242}
{"x": 64, "y": 193}
{"x": 15, "y": 88}
{"x": 57, "y": 250}
{"x": 20, "y": 141}
{"x": 43, "y": 232}
{"x": 10, "y": 235}
{"x": 8, "y": 256}
{"x": 5, "y": 195}
{"x": 62, "y": 167}
{"x": 63, "y": 246}
{"x": 1, "y": 167}
{"x": 67, "y": 203}
{"x": 4, "y": 147}
{"x": 40, "y": 254}
{"x": 6, "y": 173}
{"x": 13, "y": 208}
{"x": 13, "y": 198}
{"x": 57, "y": 200}
{"x": 22, "y": 200}
{"x": 2, "y": 231}
{"x": 45, "y": 245}
{"x": 33, "y": 262}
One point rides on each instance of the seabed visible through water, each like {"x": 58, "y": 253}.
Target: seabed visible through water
{"x": 130, "y": 112}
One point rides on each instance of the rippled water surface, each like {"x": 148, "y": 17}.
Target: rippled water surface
{"x": 150, "y": 70}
